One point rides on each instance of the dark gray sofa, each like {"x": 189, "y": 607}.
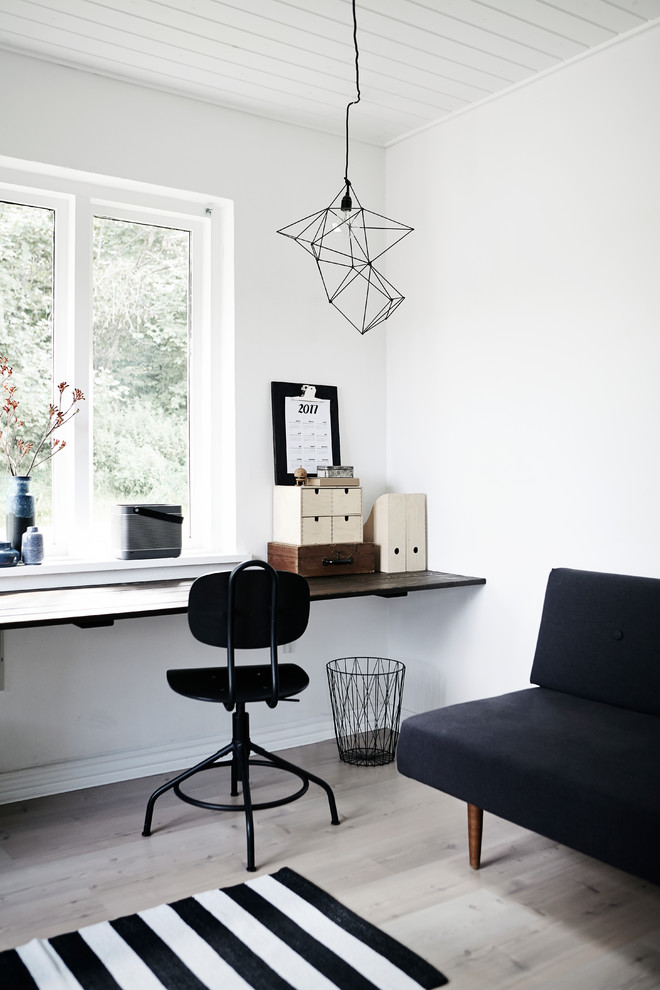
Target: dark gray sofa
{"x": 577, "y": 757}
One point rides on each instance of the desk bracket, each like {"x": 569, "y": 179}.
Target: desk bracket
{"x": 2, "y": 659}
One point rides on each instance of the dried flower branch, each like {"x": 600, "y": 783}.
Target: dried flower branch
{"x": 24, "y": 456}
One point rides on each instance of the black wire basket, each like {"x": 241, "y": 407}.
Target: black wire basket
{"x": 366, "y": 694}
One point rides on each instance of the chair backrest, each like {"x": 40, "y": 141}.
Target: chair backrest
{"x": 252, "y": 607}
{"x": 599, "y": 638}
{"x": 208, "y": 606}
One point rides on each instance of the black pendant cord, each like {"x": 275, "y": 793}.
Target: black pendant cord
{"x": 353, "y": 102}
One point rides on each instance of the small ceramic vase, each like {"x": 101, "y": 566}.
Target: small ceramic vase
{"x": 32, "y": 546}
{"x": 20, "y": 509}
{"x": 8, "y": 556}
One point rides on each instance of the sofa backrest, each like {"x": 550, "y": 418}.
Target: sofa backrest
{"x": 600, "y": 638}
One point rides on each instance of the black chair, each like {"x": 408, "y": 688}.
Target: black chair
{"x": 252, "y": 607}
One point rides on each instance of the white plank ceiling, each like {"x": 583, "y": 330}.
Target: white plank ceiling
{"x": 293, "y": 60}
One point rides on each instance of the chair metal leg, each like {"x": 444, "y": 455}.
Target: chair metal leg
{"x": 242, "y": 758}
{"x": 240, "y": 771}
{"x": 234, "y": 778}
{"x": 304, "y": 774}
{"x": 179, "y": 780}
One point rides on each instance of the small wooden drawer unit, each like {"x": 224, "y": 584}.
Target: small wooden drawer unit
{"x": 304, "y": 515}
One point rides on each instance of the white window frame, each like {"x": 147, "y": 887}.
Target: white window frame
{"x": 77, "y": 197}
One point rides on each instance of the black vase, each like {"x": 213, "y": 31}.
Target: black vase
{"x": 20, "y": 510}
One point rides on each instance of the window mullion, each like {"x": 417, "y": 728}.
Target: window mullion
{"x": 198, "y": 425}
{"x": 73, "y": 363}
{"x": 221, "y": 380}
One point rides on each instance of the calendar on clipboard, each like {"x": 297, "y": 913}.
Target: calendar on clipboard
{"x": 305, "y": 428}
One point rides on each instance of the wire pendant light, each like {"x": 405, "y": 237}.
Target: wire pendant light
{"x": 345, "y": 240}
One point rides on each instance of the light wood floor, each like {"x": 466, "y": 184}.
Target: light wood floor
{"x": 536, "y": 915}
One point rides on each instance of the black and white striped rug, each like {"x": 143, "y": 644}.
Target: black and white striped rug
{"x": 271, "y": 933}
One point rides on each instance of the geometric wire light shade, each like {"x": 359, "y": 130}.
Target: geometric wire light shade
{"x": 345, "y": 244}
{"x": 345, "y": 241}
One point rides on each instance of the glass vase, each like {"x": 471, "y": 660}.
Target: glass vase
{"x": 20, "y": 510}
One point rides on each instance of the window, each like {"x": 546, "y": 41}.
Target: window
{"x": 141, "y": 330}
{"x": 123, "y": 291}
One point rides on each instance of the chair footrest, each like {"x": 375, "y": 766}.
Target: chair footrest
{"x": 256, "y": 806}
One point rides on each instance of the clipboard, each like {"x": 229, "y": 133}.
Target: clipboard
{"x": 305, "y": 428}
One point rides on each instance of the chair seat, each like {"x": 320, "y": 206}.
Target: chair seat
{"x": 252, "y": 682}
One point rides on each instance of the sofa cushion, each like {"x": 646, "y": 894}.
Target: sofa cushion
{"x": 599, "y": 638}
{"x": 580, "y": 772}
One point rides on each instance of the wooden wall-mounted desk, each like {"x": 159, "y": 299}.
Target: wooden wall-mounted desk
{"x": 384, "y": 585}
{"x": 100, "y": 605}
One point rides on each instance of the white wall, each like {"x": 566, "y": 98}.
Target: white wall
{"x": 80, "y": 703}
{"x": 523, "y": 386}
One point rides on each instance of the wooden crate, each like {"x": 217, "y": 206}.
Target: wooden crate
{"x": 340, "y": 558}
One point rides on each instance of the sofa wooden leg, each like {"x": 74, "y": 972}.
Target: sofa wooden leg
{"x": 475, "y": 831}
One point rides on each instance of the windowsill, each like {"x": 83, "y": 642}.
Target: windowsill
{"x": 80, "y": 573}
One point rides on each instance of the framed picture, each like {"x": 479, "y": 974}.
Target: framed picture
{"x": 305, "y": 428}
